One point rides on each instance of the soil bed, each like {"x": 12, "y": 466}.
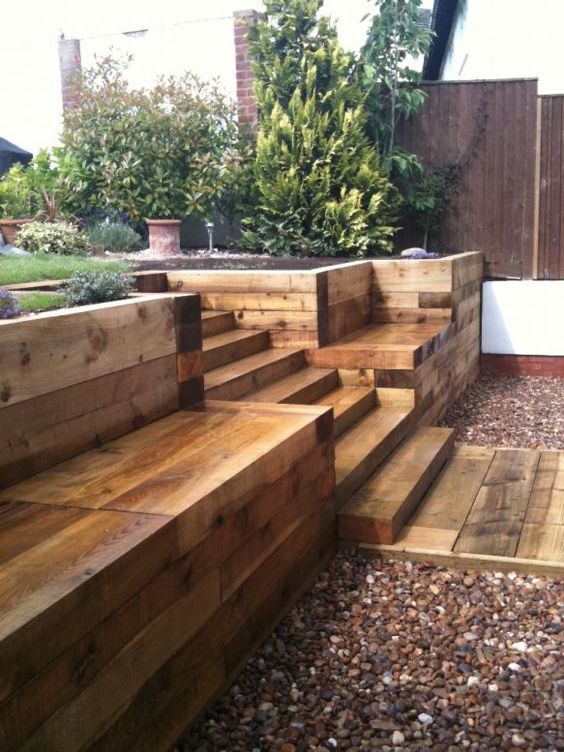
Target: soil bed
{"x": 514, "y": 411}
{"x": 204, "y": 260}
{"x": 218, "y": 259}
{"x": 401, "y": 656}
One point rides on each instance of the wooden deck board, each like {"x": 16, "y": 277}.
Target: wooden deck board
{"x": 494, "y": 523}
{"x": 499, "y": 509}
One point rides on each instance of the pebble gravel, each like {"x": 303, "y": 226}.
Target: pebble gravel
{"x": 392, "y": 656}
{"x": 512, "y": 411}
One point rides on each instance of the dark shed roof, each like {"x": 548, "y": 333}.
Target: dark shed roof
{"x": 10, "y": 154}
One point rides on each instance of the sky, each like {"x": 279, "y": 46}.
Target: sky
{"x": 184, "y": 34}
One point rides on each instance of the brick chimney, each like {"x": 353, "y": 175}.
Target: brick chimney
{"x": 246, "y": 102}
{"x": 70, "y": 64}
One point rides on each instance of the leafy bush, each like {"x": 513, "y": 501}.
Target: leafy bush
{"x": 114, "y": 236}
{"x": 16, "y": 200}
{"x": 9, "y": 307}
{"x": 38, "y": 190}
{"x": 84, "y": 288}
{"x": 153, "y": 153}
{"x": 52, "y": 237}
{"x": 320, "y": 189}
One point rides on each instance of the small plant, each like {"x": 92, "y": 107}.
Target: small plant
{"x": 9, "y": 307}
{"x": 115, "y": 237}
{"x": 85, "y": 288}
{"x": 52, "y": 237}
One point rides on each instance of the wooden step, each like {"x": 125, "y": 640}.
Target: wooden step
{"x": 231, "y": 345}
{"x": 362, "y": 448}
{"x": 303, "y": 387}
{"x": 215, "y": 322}
{"x": 349, "y": 405}
{"x": 381, "y": 507}
{"x": 236, "y": 379}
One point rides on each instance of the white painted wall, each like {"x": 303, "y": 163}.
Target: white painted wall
{"x": 508, "y": 39}
{"x": 523, "y": 317}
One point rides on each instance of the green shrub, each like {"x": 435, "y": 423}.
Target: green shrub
{"x": 38, "y": 190}
{"x": 52, "y": 237}
{"x": 16, "y": 193}
{"x": 115, "y": 237}
{"x": 320, "y": 189}
{"x": 84, "y": 288}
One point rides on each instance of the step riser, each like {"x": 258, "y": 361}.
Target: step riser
{"x": 353, "y": 414}
{"x": 223, "y": 322}
{"x": 230, "y": 351}
{"x": 381, "y": 508}
{"x": 241, "y": 385}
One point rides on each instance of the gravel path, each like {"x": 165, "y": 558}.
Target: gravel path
{"x": 516, "y": 411}
{"x": 399, "y": 656}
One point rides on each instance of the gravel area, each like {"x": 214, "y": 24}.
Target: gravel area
{"x": 515, "y": 411}
{"x": 398, "y": 656}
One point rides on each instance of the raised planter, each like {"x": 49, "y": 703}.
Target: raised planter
{"x": 164, "y": 236}
{"x": 10, "y": 228}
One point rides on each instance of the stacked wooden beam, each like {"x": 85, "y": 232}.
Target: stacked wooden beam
{"x": 75, "y": 378}
{"x": 284, "y": 303}
{"x": 451, "y": 288}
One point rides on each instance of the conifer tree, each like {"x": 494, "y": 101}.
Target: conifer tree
{"x": 319, "y": 186}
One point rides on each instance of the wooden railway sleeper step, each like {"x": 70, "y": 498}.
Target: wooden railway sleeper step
{"x": 381, "y": 507}
{"x": 361, "y": 449}
{"x": 216, "y": 322}
{"x": 237, "y": 379}
{"x": 234, "y": 344}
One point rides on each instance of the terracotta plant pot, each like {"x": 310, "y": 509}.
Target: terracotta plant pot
{"x": 10, "y": 228}
{"x": 164, "y": 236}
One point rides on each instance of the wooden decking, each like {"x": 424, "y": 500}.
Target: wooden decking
{"x": 137, "y": 576}
{"x": 496, "y": 508}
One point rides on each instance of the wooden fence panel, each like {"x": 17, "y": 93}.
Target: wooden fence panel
{"x": 489, "y": 128}
{"x": 551, "y": 210}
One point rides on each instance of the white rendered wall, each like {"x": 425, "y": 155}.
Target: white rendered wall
{"x": 508, "y": 39}
{"x": 523, "y": 317}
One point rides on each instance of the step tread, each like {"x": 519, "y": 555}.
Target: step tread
{"x": 249, "y": 368}
{"x": 349, "y": 405}
{"x": 289, "y": 387}
{"x": 380, "y": 508}
{"x": 362, "y": 448}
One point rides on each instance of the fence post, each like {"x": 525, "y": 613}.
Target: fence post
{"x": 536, "y": 220}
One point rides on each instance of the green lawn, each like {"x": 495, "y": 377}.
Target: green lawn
{"x": 15, "y": 269}
{"x": 40, "y": 301}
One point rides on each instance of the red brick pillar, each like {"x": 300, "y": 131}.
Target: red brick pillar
{"x": 70, "y": 64}
{"x": 246, "y": 102}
